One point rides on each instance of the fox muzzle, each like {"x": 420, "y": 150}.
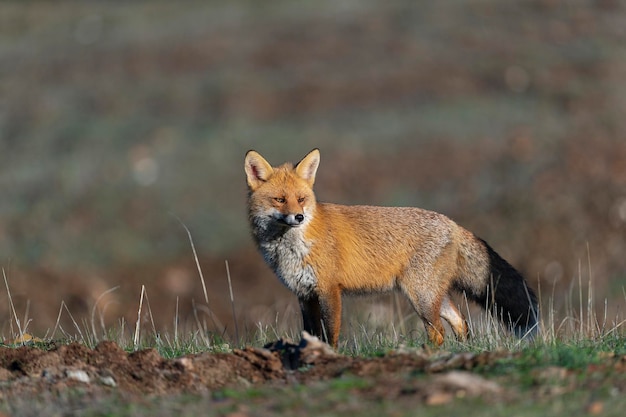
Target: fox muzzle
{"x": 293, "y": 219}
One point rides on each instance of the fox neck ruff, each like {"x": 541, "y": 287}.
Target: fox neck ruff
{"x": 286, "y": 253}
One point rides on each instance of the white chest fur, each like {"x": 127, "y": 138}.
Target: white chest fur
{"x": 286, "y": 255}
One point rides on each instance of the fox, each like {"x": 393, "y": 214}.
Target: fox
{"x": 321, "y": 251}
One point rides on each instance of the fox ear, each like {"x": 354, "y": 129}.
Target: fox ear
{"x": 307, "y": 167}
{"x": 258, "y": 170}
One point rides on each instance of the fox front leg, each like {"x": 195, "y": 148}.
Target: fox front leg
{"x": 330, "y": 303}
{"x": 311, "y": 315}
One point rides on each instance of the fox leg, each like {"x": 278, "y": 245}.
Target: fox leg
{"x": 452, "y": 315}
{"x": 311, "y": 315}
{"x": 330, "y": 303}
{"x": 428, "y": 307}
{"x": 434, "y": 328}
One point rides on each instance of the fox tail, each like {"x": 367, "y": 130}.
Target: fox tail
{"x": 490, "y": 281}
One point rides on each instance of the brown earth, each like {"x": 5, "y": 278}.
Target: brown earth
{"x": 109, "y": 370}
{"x": 426, "y": 377}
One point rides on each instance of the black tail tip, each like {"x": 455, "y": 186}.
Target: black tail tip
{"x": 530, "y": 328}
{"x": 527, "y": 332}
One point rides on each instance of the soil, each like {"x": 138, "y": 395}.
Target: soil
{"x": 109, "y": 370}
{"x": 67, "y": 375}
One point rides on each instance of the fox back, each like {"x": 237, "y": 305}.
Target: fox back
{"x": 321, "y": 251}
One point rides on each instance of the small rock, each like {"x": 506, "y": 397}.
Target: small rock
{"x": 464, "y": 382}
{"x": 312, "y": 348}
{"x": 108, "y": 381}
{"x": 78, "y": 375}
{"x": 184, "y": 364}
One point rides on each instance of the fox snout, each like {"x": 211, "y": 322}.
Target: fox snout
{"x": 293, "y": 219}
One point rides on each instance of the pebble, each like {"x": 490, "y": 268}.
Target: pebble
{"x": 108, "y": 381}
{"x": 78, "y": 375}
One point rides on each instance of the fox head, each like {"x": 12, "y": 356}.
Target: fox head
{"x": 281, "y": 196}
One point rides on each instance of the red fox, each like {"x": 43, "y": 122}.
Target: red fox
{"x": 321, "y": 251}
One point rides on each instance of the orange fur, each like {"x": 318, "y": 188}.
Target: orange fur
{"x": 321, "y": 251}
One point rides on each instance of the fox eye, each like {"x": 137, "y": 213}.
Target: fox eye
{"x": 279, "y": 200}
{"x": 301, "y": 199}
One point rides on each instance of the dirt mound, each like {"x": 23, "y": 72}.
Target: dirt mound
{"x": 37, "y": 382}
{"x": 108, "y": 369}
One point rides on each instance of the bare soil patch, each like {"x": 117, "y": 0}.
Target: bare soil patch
{"x": 108, "y": 369}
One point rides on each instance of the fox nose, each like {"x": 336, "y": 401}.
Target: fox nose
{"x": 294, "y": 219}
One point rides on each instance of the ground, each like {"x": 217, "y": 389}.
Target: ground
{"x": 405, "y": 378}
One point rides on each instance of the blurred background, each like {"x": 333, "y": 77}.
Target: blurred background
{"x": 117, "y": 118}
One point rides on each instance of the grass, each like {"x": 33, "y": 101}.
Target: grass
{"x": 579, "y": 326}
